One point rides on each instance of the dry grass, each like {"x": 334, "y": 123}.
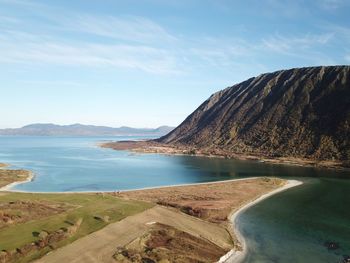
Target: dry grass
{"x": 212, "y": 202}
{"x": 18, "y": 211}
{"x": 164, "y": 243}
{"x": 10, "y": 176}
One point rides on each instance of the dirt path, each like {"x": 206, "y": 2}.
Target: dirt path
{"x": 101, "y": 245}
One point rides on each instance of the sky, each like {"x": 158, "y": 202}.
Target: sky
{"x": 146, "y": 63}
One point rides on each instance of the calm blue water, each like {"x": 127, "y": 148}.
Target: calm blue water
{"x": 288, "y": 227}
{"x": 77, "y": 164}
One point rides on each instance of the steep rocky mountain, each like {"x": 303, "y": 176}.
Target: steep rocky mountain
{"x": 48, "y": 129}
{"x": 302, "y": 112}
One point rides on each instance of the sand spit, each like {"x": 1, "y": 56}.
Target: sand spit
{"x": 237, "y": 256}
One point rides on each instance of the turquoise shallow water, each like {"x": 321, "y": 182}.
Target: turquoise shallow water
{"x": 288, "y": 227}
{"x": 293, "y": 226}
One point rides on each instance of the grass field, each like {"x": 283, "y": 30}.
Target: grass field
{"x": 92, "y": 209}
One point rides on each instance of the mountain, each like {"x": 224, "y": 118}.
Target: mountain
{"x": 48, "y": 129}
{"x": 301, "y": 112}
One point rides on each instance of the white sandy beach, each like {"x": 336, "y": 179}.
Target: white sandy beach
{"x": 8, "y": 188}
{"x": 235, "y": 256}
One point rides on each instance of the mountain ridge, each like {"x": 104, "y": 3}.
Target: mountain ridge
{"x": 299, "y": 112}
{"x": 77, "y": 129}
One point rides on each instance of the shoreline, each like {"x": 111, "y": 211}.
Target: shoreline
{"x": 6, "y": 167}
{"x": 3, "y": 165}
{"x": 151, "y": 147}
{"x": 236, "y": 256}
{"x": 6, "y": 188}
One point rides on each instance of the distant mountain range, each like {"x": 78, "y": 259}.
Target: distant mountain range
{"x": 302, "y": 112}
{"x": 48, "y": 129}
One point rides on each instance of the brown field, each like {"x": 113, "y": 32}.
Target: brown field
{"x": 188, "y": 224}
{"x": 18, "y": 211}
{"x": 129, "y": 234}
{"x": 211, "y": 202}
{"x": 164, "y": 243}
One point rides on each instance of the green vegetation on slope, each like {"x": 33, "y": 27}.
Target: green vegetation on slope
{"x": 93, "y": 210}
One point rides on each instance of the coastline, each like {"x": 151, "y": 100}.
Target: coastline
{"x": 151, "y": 147}
{"x": 237, "y": 253}
{"x": 236, "y": 256}
{"x": 3, "y": 165}
{"x": 7, "y": 188}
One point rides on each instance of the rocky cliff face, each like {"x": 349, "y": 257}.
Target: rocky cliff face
{"x": 302, "y": 112}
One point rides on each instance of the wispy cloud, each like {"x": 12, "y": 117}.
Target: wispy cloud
{"x": 341, "y": 32}
{"x": 139, "y": 43}
{"x": 288, "y": 44}
{"x": 332, "y": 4}
{"x": 138, "y": 57}
{"x": 221, "y": 51}
{"x": 21, "y": 47}
{"x": 22, "y": 3}
{"x": 284, "y": 8}
{"x": 123, "y": 42}
{"x": 229, "y": 52}
{"x": 347, "y": 58}
{"x": 130, "y": 28}
{"x": 53, "y": 83}
{"x": 8, "y": 19}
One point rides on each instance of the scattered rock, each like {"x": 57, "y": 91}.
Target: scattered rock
{"x": 147, "y": 260}
{"x": 346, "y": 259}
{"x": 331, "y": 245}
{"x": 43, "y": 235}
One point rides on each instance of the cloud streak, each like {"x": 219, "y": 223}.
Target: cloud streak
{"x": 141, "y": 44}
{"x": 286, "y": 44}
{"x": 129, "y": 28}
{"x": 142, "y": 58}
{"x": 347, "y": 58}
{"x": 332, "y": 4}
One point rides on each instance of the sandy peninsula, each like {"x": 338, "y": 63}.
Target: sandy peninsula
{"x": 236, "y": 256}
{"x": 12, "y": 177}
{"x": 188, "y": 223}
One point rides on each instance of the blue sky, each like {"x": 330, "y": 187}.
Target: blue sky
{"x": 150, "y": 63}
